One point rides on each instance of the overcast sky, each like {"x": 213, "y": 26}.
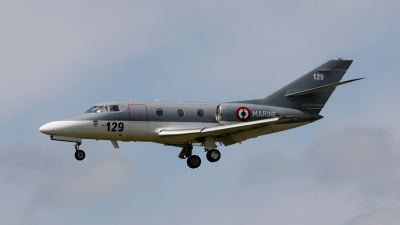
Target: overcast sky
{"x": 58, "y": 58}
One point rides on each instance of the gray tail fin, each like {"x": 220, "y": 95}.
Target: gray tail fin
{"x": 310, "y": 92}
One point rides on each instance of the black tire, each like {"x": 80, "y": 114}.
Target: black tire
{"x": 213, "y": 155}
{"x": 80, "y": 155}
{"x": 193, "y": 161}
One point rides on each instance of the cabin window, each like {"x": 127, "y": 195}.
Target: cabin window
{"x": 218, "y": 113}
{"x": 180, "y": 112}
{"x": 200, "y": 113}
{"x": 160, "y": 112}
{"x": 114, "y": 108}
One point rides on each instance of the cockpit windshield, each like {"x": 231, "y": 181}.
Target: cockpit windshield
{"x": 95, "y": 109}
{"x": 103, "y": 108}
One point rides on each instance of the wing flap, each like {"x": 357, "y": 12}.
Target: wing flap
{"x": 178, "y": 132}
{"x": 225, "y": 130}
{"x": 240, "y": 127}
{"x": 250, "y": 134}
{"x": 227, "y": 141}
{"x": 235, "y": 138}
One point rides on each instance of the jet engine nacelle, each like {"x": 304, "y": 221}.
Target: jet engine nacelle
{"x": 229, "y": 113}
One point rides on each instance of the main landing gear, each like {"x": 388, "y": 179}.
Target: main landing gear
{"x": 213, "y": 155}
{"x": 79, "y": 154}
{"x": 194, "y": 161}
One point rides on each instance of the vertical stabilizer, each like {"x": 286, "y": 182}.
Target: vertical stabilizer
{"x": 328, "y": 73}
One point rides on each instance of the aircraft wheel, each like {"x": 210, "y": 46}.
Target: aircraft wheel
{"x": 79, "y": 155}
{"x": 193, "y": 161}
{"x": 213, "y": 155}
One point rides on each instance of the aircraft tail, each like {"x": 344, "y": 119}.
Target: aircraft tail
{"x": 310, "y": 92}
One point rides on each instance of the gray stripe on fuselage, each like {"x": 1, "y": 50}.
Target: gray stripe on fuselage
{"x": 169, "y": 108}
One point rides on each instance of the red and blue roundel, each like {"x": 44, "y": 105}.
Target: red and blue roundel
{"x": 243, "y": 113}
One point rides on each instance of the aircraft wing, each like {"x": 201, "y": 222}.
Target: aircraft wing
{"x": 228, "y": 134}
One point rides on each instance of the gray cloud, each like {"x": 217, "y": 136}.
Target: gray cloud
{"x": 355, "y": 167}
{"x": 277, "y": 41}
{"x": 267, "y": 165}
{"x": 378, "y": 217}
{"x": 47, "y": 48}
{"x": 364, "y": 158}
{"x": 47, "y": 180}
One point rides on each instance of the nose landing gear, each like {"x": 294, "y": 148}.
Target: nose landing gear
{"x": 79, "y": 154}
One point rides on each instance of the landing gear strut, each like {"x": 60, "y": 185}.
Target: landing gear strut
{"x": 79, "y": 154}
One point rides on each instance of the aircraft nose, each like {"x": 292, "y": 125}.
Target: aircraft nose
{"x": 47, "y": 129}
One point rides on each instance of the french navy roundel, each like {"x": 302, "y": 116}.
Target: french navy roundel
{"x": 243, "y": 113}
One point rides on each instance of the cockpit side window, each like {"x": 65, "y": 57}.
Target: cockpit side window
{"x": 104, "y": 109}
{"x": 95, "y": 109}
{"x": 114, "y": 108}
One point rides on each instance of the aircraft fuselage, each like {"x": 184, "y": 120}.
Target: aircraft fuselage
{"x": 143, "y": 121}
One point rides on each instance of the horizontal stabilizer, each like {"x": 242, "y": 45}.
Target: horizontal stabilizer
{"x": 310, "y": 91}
